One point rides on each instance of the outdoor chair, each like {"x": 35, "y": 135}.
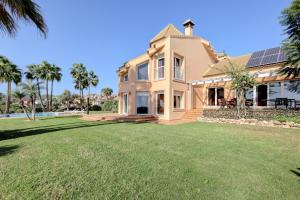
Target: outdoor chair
{"x": 281, "y": 102}
{"x": 297, "y": 104}
{"x": 222, "y": 102}
{"x": 231, "y": 103}
{"x": 249, "y": 102}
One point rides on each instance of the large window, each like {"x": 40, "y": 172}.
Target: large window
{"x": 177, "y": 100}
{"x": 215, "y": 96}
{"x": 178, "y": 68}
{"x": 291, "y": 90}
{"x": 142, "y": 71}
{"x": 160, "y": 70}
{"x": 249, "y": 94}
{"x": 142, "y": 103}
{"x": 274, "y": 92}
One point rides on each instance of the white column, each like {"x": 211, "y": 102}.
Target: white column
{"x": 268, "y": 88}
{"x": 216, "y": 96}
{"x": 254, "y": 96}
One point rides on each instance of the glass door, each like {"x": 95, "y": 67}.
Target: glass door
{"x": 142, "y": 103}
{"x": 262, "y": 95}
{"x": 160, "y": 103}
{"x": 125, "y": 103}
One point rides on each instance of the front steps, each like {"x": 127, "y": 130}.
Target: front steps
{"x": 120, "y": 118}
{"x": 193, "y": 114}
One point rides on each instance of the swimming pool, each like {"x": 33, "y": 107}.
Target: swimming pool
{"x": 22, "y": 115}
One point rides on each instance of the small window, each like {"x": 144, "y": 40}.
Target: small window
{"x": 125, "y": 77}
{"x": 178, "y": 69}
{"x": 142, "y": 72}
{"x": 160, "y": 71}
{"x": 177, "y": 100}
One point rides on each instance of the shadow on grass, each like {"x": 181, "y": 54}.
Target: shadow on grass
{"x": 17, "y": 133}
{"x": 5, "y": 150}
{"x": 296, "y": 172}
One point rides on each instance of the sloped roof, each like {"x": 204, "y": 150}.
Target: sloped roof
{"x": 169, "y": 30}
{"x": 220, "y": 67}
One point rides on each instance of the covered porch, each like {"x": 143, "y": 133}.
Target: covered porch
{"x": 277, "y": 94}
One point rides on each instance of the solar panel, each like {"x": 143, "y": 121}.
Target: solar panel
{"x": 272, "y": 51}
{"x": 258, "y": 54}
{"x": 266, "y": 57}
{"x": 269, "y": 59}
{"x": 254, "y": 62}
{"x": 282, "y": 57}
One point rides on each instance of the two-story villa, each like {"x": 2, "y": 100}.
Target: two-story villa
{"x": 180, "y": 73}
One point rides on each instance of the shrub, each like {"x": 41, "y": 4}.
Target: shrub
{"x": 95, "y": 108}
{"x": 110, "y": 106}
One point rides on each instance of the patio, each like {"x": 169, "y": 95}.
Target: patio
{"x": 277, "y": 95}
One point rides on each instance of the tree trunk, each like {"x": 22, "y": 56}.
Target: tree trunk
{"x": 88, "y": 102}
{"x": 40, "y": 96}
{"x": 81, "y": 99}
{"x": 24, "y": 110}
{"x": 33, "y": 107}
{"x": 8, "y": 95}
{"x": 68, "y": 105}
{"x": 47, "y": 95}
{"x": 51, "y": 95}
{"x": 238, "y": 103}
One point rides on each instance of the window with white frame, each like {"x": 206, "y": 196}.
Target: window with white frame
{"x": 125, "y": 77}
{"x": 178, "y": 68}
{"x": 142, "y": 72}
{"x": 177, "y": 100}
{"x": 160, "y": 68}
{"x": 142, "y": 103}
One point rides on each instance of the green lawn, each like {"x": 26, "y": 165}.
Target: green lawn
{"x": 66, "y": 158}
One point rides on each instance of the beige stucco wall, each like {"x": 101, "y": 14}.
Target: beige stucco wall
{"x": 196, "y": 61}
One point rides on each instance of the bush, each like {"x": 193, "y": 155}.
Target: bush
{"x": 115, "y": 106}
{"x": 110, "y": 106}
{"x": 95, "y": 108}
{"x": 15, "y": 108}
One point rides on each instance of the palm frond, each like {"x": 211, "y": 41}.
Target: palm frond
{"x": 12, "y": 10}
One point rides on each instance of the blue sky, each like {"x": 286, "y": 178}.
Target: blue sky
{"x": 104, "y": 34}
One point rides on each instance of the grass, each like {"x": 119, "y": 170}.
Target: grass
{"x": 66, "y": 158}
{"x": 284, "y": 118}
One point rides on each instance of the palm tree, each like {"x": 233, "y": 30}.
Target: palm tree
{"x": 31, "y": 89}
{"x": 46, "y": 69}
{"x": 35, "y": 72}
{"x": 290, "y": 19}
{"x": 1, "y": 98}
{"x": 107, "y": 92}
{"x": 93, "y": 80}
{"x": 9, "y": 73}
{"x": 79, "y": 74}
{"x": 55, "y": 75}
{"x": 12, "y": 10}
{"x": 20, "y": 95}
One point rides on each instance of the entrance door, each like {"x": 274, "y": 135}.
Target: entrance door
{"x": 198, "y": 96}
{"x": 125, "y": 103}
{"x": 212, "y": 96}
{"x": 262, "y": 95}
{"x": 160, "y": 103}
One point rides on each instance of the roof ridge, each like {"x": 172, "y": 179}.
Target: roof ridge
{"x": 169, "y": 30}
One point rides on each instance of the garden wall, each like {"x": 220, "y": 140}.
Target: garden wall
{"x": 264, "y": 114}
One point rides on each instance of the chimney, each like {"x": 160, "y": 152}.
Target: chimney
{"x": 188, "y": 27}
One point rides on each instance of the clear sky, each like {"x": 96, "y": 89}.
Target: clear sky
{"x": 104, "y": 34}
